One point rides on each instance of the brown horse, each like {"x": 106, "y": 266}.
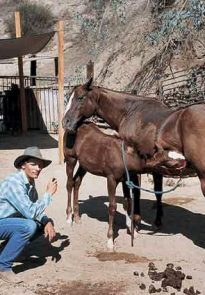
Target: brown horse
{"x": 136, "y": 118}
{"x": 100, "y": 154}
{"x": 184, "y": 131}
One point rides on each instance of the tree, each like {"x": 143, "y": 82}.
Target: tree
{"x": 35, "y": 19}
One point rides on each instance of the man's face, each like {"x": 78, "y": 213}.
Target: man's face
{"x": 32, "y": 168}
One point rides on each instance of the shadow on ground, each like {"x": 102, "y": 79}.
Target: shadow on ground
{"x": 176, "y": 220}
{"x": 95, "y": 207}
{"x": 32, "y": 138}
{"x": 38, "y": 251}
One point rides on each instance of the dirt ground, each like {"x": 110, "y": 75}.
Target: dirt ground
{"x": 79, "y": 263}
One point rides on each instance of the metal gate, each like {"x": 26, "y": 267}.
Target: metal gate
{"x": 41, "y": 102}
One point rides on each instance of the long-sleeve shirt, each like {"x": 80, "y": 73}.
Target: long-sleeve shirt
{"x": 19, "y": 198}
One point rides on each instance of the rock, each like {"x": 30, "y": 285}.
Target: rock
{"x": 136, "y": 273}
{"x": 170, "y": 265}
{"x": 152, "y": 289}
{"x": 156, "y": 276}
{"x": 142, "y": 286}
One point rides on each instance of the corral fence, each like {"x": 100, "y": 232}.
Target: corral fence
{"x": 41, "y": 99}
{"x": 41, "y": 103}
{"x": 183, "y": 87}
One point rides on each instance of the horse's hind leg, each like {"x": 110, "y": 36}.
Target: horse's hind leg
{"x": 77, "y": 182}
{"x": 127, "y": 204}
{"x": 136, "y": 179}
{"x": 111, "y": 186}
{"x": 136, "y": 215}
{"x": 158, "y": 183}
{"x": 202, "y": 181}
{"x": 136, "y": 218}
{"x": 70, "y": 165}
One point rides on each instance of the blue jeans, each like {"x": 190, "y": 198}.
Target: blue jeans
{"x": 18, "y": 232}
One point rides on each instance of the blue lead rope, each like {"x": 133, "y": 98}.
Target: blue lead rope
{"x": 131, "y": 185}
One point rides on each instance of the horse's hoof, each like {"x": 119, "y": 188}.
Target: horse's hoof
{"x": 110, "y": 244}
{"x": 158, "y": 225}
{"x": 77, "y": 220}
{"x": 137, "y": 218}
{"x": 69, "y": 220}
{"x": 137, "y": 226}
{"x": 128, "y": 230}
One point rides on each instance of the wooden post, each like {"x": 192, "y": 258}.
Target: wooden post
{"x": 60, "y": 88}
{"x": 90, "y": 70}
{"x": 21, "y": 77}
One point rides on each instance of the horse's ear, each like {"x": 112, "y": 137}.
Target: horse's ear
{"x": 88, "y": 84}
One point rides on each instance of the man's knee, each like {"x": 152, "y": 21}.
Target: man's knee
{"x": 30, "y": 227}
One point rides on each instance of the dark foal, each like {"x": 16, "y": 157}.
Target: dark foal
{"x": 100, "y": 154}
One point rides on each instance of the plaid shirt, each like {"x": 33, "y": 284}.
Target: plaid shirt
{"x": 18, "y": 198}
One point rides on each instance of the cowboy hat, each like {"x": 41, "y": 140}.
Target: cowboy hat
{"x": 31, "y": 152}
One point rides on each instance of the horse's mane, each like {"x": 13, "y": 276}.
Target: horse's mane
{"x": 151, "y": 98}
{"x": 179, "y": 108}
{"x": 107, "y": 90}
{"x": 127, "y": 95}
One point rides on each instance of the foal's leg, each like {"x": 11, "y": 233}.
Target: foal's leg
{"x": 77, "y": 182}
{"x": 111, "y": 186}
{"x": 70, "y": 165}
{"x": 158, "y": 184}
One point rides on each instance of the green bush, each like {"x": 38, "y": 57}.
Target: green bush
{"x": 35, "y": 19}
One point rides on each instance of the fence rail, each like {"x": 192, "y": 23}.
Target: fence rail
{"x": 183, "y": 87}
{"x": 41, "y": 102}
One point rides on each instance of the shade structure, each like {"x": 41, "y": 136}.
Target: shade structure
{"x": 28, "y": 44}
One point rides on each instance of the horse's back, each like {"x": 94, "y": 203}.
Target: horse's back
{"x": 184, "y": 131}
{"x": 97, "y": 152}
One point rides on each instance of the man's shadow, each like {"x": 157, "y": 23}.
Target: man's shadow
{"x": 37, "y": 251}
{"x": 176, "y": 219}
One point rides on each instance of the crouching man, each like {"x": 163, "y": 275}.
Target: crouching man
{"x": 21, "y": 212}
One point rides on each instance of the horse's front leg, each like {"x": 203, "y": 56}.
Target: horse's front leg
{"x": 70, "y": 165}
{"x": 77, "y": 182}
{"x": 111, "y": 186}
{"x": 158, "y": 184}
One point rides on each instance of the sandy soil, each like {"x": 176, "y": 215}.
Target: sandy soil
{"x": 79, "y": 263}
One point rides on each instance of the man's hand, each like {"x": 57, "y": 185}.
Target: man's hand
{"x": 49, "y": 231}
{"x": 52, "y": 186}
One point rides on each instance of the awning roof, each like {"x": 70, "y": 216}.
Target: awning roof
{"x": 28, "y": 44}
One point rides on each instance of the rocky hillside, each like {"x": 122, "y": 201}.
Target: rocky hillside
{"x": 111, "y": 33}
